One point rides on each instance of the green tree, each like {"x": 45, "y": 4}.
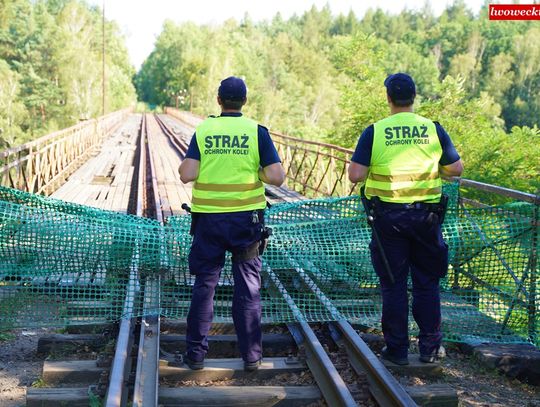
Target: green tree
{"x": 12, "y": 112}
{"x": 469, "y": 65}
{"x": 422, "y": 68}
{"x": 500, "y": 76}
{"x": 321, "y": 77}
{"x": 363, "y": 98}
{"x": 524, "y": 97}
{"x": 54, "y": 48}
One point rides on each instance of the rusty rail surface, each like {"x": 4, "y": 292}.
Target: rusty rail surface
{"x": 40, "y": 166}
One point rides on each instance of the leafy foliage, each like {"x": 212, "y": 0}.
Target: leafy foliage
{"x": 320, "y": 76}
{"x": 51, "y": 67}
{"x": 316, "y": 76}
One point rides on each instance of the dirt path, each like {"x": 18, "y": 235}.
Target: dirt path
{"x": 19, "y": 365}
{"x": 480, "y": 387}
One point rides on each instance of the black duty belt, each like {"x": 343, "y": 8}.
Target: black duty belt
{"x": 414, "y": 205}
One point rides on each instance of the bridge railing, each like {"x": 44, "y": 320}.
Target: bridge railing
{"x": 313, "y": 168}
{"x": 41, "y": 165}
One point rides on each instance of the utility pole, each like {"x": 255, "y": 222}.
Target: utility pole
{"x": 103, "y": 67}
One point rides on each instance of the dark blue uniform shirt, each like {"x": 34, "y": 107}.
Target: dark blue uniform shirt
{"x": 362, "y": 154}
{"x": 267, "y": 151}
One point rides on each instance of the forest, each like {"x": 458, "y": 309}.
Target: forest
{"x": 51, "y": 67}
{"x": 317, "y": 76}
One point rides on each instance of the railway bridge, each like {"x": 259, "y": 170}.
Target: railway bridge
{"x": 93, "y": 238}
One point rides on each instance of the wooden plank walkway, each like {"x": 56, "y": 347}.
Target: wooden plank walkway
{"x": 173, "y": 193}
{"x": 104, "y": 181}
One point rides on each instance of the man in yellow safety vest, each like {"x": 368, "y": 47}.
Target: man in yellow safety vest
{"x": 402, "y": 158}
{"x": 229, "y": 158}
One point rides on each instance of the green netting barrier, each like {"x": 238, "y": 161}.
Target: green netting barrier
{"x": 63, "y": 263}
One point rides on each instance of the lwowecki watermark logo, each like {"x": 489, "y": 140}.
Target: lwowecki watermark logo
{"x": 514, "y": 11}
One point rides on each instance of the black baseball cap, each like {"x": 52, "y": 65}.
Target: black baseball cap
{"x": 400, "y": 87}
{"x": 232, "y": 88}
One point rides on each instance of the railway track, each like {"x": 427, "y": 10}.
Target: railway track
{"x": 141, "y": 371}
{"x": 177, "y": 141}
{"x": 146, "y": 385}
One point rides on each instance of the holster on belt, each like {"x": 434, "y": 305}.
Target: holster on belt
{"x": 266, "y": 233}
{"x": 194, "y": 219}
{"x": 257, "y": 248}
{"x": 438, "y": 210}
{"x": 372, "y": 207}
{"x": 442, "y": 208}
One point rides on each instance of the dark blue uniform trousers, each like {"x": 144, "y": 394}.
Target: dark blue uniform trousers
{"x": 214, "y": 234}
{"x": 412, "y": 241}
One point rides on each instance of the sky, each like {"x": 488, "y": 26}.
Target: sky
{"x": 141, "y": 20}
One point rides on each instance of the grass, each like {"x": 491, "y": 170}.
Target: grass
{"x": 6, "y": 336}
{"x": 93, "y": 400}
{"x": 39, "y": 383}
{"x": 63, "y": 330}
{"x": 5, "y": 328}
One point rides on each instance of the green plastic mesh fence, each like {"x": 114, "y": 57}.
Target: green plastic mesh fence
{"x": 63, "y": 263}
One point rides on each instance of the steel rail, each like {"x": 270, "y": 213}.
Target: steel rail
{"x": 178, "y": 144}
{"x": 332, "y": 386}
{"x": 147, "y": 372}
{"x": 383, "y": 386}
{"x": 121, "y": 364}
{"x": 116, "y": 391}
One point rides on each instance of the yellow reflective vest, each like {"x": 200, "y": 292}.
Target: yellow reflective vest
{"x": 228, "y": 178}
{"x": 405, "y": 156}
